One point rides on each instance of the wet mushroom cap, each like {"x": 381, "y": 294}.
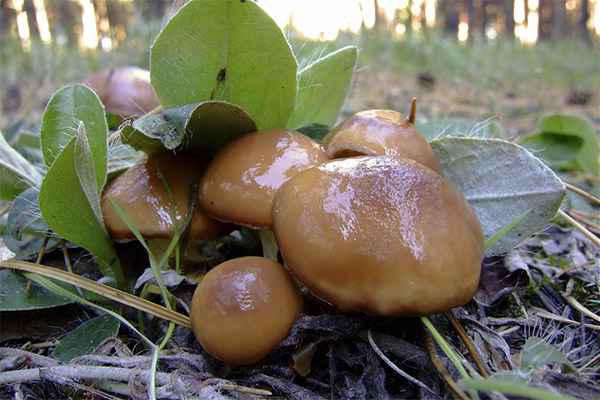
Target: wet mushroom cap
{"x": 243, "y": 308}
{"x": 379, "y": 234}
{"x": 142, "y": 195}
{"x": 124, "y": 91}
{"x": 240, "y": 183}
{"x": 380, "y": 132}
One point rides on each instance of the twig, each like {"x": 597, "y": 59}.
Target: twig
{"x": 468, "y": 343}
{"x": 580, "y": 227}
{"x": 573, "y": 268}
{"x": 68, "y": 264}
{"x": 34, "y": 359}
{"x": 394, "y": 367}
{"x": 581, "y": 308}
{"x": 547, "y": 315}
{"x": 581, "y": 192}
{"x": 440, "y": 367}
{"x": 76, "y": 373}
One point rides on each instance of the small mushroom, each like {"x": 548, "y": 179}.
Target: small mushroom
{"x": 124, "y": 91}
{"x": 141, "y": 193}
{"x": 243, "y": 308}
{"x": 380, "y": 132}
{"x": 379, "y": 234}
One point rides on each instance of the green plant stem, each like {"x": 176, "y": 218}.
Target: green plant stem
{"x": 521, "y": 391}
{"x": 447, "y": 350}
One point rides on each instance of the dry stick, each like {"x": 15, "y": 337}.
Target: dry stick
{"x": 547, "y": 315}
{"x": 458, "y": 392}
{"x": 573, "y": 268}
{"x": 68, "y": 264}
{"x": 581, "y": 192}
{"x": 580, "y": 307}
{"x": 586, "y": 215}
{"x": 590, "y": 225}
{"x": 103, "y": 290}
{"x": 467, "y": 341}
{"x": 40, "y": 255}
{"x": 394, "y": 366}
{"x": 580, "y": 227}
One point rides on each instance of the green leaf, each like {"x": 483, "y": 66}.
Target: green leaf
{"x": 71, "y": 210}
{"x": 14, "y": 295}
{"x": 65, "y": 110}
{"x": 536, "y": 353}
{"x": 442, "y": 127}
{"x": 211, "y": 125}
{"x": 314, "y": 131}
{"x": 84, "y": 169}
{"x": 144, "y": 134}
{"x": 557, "y": 150}
{"x": 236, "y": 41}
{"x": 85, "y": 338}
{"x": 323, "y": 87}
{"x": 566, "y": 141}
{"x": 24, "y": 215}
{"x": 501, "y": 181}
{"x": 199, "y": 129}
{"x": 16, "y": 173}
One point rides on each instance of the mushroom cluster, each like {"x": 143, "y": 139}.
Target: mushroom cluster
{"x": 365, "y": 221}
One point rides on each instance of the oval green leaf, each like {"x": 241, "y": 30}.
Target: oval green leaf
{"x": 14, "y": 295}
{"x": 85, "y": 338}
{"x": 70, "y": 205}
{"x": 199, "y": 129}
{"x": 211, "y": 125}
{"x": 24, "y": 215}
{"x": 65, "y": 110}
{"x": 16, "y": 173}
{"x": 501, "y": 181}
{"x": 566, "y": 141}
{"x": 232, "y": 43}
{"x": 322, "y": 89}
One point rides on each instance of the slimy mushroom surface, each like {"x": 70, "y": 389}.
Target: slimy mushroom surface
{"x": 379, "y": 234}
{"x": 380, "y": 132}
{"x": 142, "y": 195}
{"x": 241, "y": 181}
{"x": 243, "y": 308}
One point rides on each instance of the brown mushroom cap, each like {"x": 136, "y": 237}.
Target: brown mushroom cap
{"x": 243, "y": 308}
{"x": 124, "y": 91}
{"x": 240, "y": 183}
{"x": 141, "y": 194}
{"x": 379, "y": 234}
{"x": 380, "y": 132}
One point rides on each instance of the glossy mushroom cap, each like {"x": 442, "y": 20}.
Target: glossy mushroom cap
{"x": 141, "y": 194}
{"x": 240, "y": 183}
{"x": 124, "y": 91}
{"x": 243, "y": 308}
{"x": 380, "y": 132}
{"x": 379, "y": 234}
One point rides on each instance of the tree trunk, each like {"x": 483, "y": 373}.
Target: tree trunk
{"x": 559, "y": 18}
{"x": 449, "y": 9}
{"x": 508, "y": 9}
{"x": 584, "y": 33}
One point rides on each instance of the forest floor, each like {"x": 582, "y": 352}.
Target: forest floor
{"x": 537, "y": 292}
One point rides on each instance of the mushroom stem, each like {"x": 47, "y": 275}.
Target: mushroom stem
{"x": 269, "y": 244}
